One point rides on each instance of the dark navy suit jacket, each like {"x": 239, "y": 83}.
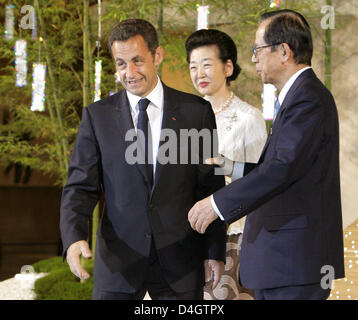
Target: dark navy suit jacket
{"x": 292, "y": 196}
{"x": 135, "y": 214}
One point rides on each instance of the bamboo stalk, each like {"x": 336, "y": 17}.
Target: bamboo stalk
{"x": 160, "y": 32}
{"x": 86, "y": 62}
{"x": 95, "y": 221}
{"x": 54, "y": 111}
{"x": 328, "y": 55}
{"x": 87, "y": 79}
{"x": 90, "y": 55}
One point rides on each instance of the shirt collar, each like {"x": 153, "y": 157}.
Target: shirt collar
{"x": 289, "y": 84}
{"x": 155, "y": 97}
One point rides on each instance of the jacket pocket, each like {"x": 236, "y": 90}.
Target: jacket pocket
{"x": 285, "y": 222}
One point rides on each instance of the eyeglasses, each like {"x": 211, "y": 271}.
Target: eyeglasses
{"x": 254, "y": 49}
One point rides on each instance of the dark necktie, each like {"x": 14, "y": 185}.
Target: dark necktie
{"x": 276, "y": 109}
{"x": 144, "y": 139}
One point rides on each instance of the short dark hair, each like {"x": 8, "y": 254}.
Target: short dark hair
{"x": 288, "y": 26}
{"x": 132, "y": 27}
{"x": 226, "y": 46}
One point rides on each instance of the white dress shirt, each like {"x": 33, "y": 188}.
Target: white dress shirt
{"x": 155, "y": 114}
{"x": 238, "y": 170}
{"x": 289, "y": 84}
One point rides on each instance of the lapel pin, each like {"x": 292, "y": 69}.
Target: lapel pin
{"x": 173, "y": 118}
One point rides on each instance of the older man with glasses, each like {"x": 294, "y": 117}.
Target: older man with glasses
{"x": 293, "y": 232}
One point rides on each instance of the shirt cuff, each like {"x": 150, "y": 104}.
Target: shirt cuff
{"x": 216, "y": 208}
{"x": 238, "y": 171}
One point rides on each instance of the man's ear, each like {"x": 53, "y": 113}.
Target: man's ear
{"x": 158, "y": 56}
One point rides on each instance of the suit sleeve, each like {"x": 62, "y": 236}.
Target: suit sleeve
{"x": 295, "y": 146}
{"x": 208, "y": 183}
{"x": 82, "y": 190}
{"x": 248, "y": 167}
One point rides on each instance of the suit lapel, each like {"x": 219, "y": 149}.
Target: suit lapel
{"x": 125, "y": 120}
{"x": 286, "y": 102}
{"x": 125, "y": 123}
{"x": 171, "y": 120}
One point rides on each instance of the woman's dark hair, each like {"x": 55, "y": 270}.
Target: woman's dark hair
{"x": 226, "y": 46}
{"x": 288, "y": 26}
{"x": 132, "y": 27}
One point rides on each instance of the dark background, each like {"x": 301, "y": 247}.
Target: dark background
{"x": 29, "y": 226}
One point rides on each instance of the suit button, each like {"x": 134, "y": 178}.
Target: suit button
{"x": 148, "y": 235}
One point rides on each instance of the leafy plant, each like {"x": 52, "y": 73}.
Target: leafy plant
{"x": 60, "y": 283}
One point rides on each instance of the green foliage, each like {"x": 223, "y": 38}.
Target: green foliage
{"x": 50, "y": 264}
{"x": 44, "y": 140}
{"x": 60, "y": 283}
{"x": 33, "y": 138}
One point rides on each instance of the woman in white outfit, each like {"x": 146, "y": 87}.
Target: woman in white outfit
{"x": 212, "y": 58}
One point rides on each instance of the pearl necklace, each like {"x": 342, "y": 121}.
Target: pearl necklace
{"x": 226, "y": 104}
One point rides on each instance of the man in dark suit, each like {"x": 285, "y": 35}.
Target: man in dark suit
{"x": 293, "y": 233}
{"x": 144, "y": 241}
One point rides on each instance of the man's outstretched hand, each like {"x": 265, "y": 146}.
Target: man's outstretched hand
{"x": 201, "y": 215}
{"x": 74, "y": 252}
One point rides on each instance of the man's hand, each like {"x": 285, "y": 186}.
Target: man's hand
{"x": 74, "y": 252}
{"x": 226, "y": 166}
{"x": 213, "y": 272}
{"x": 201, "y": 215}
